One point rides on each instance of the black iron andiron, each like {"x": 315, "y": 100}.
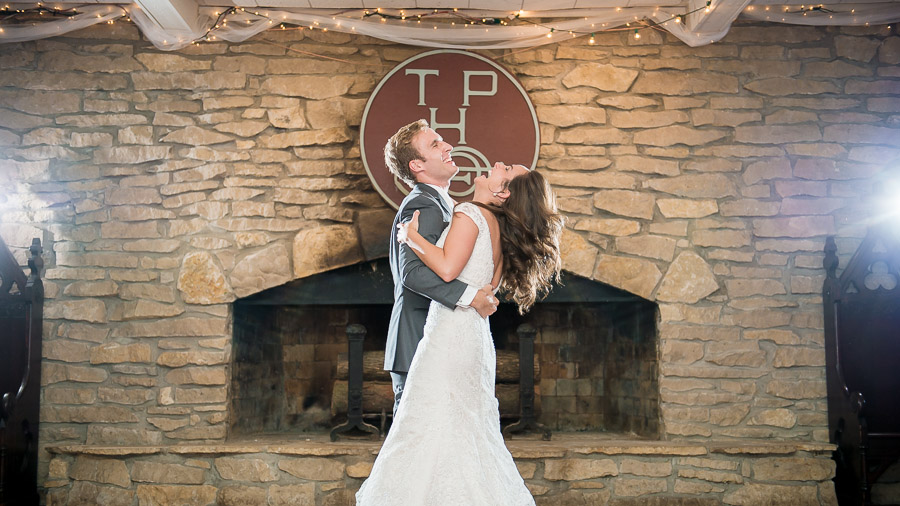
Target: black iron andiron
{"x": 355, "y": 336}
{"x": 527, "y": 421}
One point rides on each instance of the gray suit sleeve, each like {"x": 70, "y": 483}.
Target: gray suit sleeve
{"x": 416, "y": 276}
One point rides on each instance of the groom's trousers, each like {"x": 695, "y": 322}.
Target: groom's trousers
{"x": 398, "y": 381}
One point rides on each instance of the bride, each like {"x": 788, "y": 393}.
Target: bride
{"x": 445, "y": 447}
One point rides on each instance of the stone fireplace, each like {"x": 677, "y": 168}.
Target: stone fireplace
{"x": 596, "y": 348}
{"x": 287, "y": 341}
{"x": 170, "y": 189}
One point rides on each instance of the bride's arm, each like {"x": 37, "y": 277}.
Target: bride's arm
{"x": 448, "y": 262}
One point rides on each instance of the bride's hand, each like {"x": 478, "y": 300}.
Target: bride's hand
{"x": 413, "y": 224}
{"x": 404, "y": 229}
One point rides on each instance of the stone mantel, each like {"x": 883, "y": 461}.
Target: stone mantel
{"x": 521, "y": 447}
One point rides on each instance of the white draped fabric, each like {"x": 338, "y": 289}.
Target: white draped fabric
{"x": 87, "y": 16}
{"x": 241, "y": 25}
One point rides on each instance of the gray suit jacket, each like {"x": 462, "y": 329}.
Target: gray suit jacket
{"x": 415, "y": 285}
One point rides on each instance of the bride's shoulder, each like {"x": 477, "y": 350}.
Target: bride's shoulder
{"x": 476, "y": 213}
{"x": 469, "y": 208}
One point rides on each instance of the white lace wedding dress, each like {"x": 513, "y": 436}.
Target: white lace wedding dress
{"x": 445, "y": 447}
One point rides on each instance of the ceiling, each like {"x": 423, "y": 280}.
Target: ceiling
{"x": 172, "y": 24}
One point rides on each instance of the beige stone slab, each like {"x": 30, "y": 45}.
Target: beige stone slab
{"x": 651, "y": 448}
{"x": 214, "y": 449}
{"x": 774, "y": 448}
{"x": 527, "y": 446}
{"x": 325, "y": 449}
{"x": 104, "y": 450}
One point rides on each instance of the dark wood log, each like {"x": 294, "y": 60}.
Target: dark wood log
{"x": 379, "y": 395}
{"x": 373, "y": 367}
{"x": 373, "y": 363}
{"x": 508, "y": 366}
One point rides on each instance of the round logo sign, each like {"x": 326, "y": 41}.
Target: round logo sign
{"x": 469, "y": 100}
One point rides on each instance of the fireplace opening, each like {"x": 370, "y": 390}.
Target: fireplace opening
{"x": 595, "y": 346}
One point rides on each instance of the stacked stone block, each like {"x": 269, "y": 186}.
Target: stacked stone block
{"x": 164, "y": 186}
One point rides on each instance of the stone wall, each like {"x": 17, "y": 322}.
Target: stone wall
{"x": 166, "y": 185}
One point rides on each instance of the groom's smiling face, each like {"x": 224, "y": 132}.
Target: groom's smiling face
{"x": 435, "y": 165}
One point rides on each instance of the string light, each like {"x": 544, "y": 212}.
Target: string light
{"x": 403, "y": 15}
{"x": 804, "y": 10}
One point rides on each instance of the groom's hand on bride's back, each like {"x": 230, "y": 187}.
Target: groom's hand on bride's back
{"x": 485, "y": 302}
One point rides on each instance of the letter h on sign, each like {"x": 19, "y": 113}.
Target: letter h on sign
{"x": 467, "y": 92}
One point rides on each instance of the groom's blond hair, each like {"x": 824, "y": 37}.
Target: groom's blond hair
{"x": 399, "y": 151}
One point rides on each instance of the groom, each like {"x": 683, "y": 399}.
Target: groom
{"x": 419, "y": 157}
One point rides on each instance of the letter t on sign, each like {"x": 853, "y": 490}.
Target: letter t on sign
{"x": 428, "y": 72}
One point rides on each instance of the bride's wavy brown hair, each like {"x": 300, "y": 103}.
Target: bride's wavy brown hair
{"x": 530, "y": 228}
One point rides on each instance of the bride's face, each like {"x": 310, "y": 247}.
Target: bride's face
{"x": 497, "y": 181}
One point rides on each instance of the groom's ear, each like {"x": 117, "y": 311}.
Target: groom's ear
{"x": 416, "y": 166}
